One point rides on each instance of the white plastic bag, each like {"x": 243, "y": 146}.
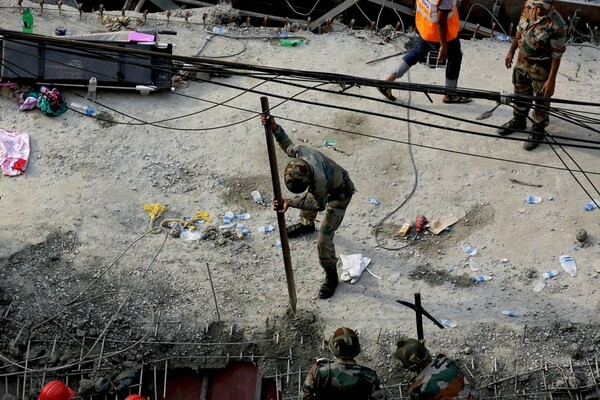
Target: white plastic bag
{"x": 353, "y": 266}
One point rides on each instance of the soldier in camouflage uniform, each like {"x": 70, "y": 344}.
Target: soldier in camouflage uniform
{"x": 437, "y": 378}
{"x": 541, "y": 35}
{"x": 325, "y": 186}
{"x": 342, "y": 378}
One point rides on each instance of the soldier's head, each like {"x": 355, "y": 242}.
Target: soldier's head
{"x": 344, "y": 343}
{"x": 297, "y": 176}
{"x": 411, "y": 354}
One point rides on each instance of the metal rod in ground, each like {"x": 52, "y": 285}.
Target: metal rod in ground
{"x": 213, "y": 292}
{"x": 25, "y": 372}
{"x": 155, "y": 388}
{"x": 285, "y": 247}
{"x": 165, "y": 381}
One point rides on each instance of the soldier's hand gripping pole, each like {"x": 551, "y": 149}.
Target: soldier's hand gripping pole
{"x": 285, "y": 247}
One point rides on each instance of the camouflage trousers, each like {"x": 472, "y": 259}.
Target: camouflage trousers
{"x": 334, "y": 215}
{"x": 528, "y": 79}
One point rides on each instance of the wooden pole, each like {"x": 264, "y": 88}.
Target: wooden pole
{"x": 285, "y": 246}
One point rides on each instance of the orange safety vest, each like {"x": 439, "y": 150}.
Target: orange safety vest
{"x": 426, "y": 19}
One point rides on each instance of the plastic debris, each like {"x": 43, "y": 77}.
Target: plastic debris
{"x": 374, "y": 201}
{"x": 569, "y": 265}
{"x": 539, "y": 286}
{"x": 329, "y": 143}
{"x": 257, "y": 197}
{"x": 448, "y": 323}
{"x": 510, "y": 313}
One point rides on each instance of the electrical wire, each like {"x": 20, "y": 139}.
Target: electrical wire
{"x": 489, "y": 12}
{"x": 298, "y": 12}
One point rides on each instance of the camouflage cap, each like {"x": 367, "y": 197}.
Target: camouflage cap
{"x": 410, "y": 353}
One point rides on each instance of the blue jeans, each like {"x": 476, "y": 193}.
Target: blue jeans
{"x": 422, "y": 48}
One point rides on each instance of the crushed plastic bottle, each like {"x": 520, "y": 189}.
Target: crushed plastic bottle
{"x": 533, "y": 199}
{"x": 474, "y": 265}
{"x": 256, "y": 196}
{"x": 228, "y": 217}
{"x": 551, "y": 274}
{"x": 218, "y": 30}
{"x": 539, "y": 286}
{"x": 27, "y": 21}
{"x": 291, "y": 42}
{"x": 329, "y": 143}
{"x": 569, "y": 265}
{"x": 592, "y": 205}
{"x": 241, "y": 230}
{"x": 242, "y": 217}
{"x": 87, "y": 110}
{"x": 447, "y": 322}
{"x": 374, "y": 201}
{"x": 188, "y": 234}
{"x": 481, "y": 278}
{"x": 471, "y": 251}
{"x": 266, "y": 229}
{"x": 510, "y": 313}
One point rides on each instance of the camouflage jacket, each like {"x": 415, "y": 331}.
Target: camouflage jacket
{"x": 440, "y": 380}
{"x": 542, "y": 38}
{"x": 341, "y": 380}
{"x": 329, "y": 179}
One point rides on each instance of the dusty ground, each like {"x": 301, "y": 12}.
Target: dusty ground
{"x": 79, "y": 206}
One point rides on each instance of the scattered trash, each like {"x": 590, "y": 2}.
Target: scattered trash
{"x": 329, "y": 143}
{"x": 266, "y": 229}
{"x": 533, "y": 199}
{"x": 504, "y": 261}
{"x": 92, "y": 88}
{"x": 60, "y": 31}
{"x": 189, "y": 235}
{"x": 440, "y": 224}
{"x": 226, "y": 226}
{"x": 481, "y": 278}
{"x": 405, "y": 229}
{"x": 539, "y": 286}
{"x": 471, "y": 251}
{"x": 175, "y": 229}
{"x": 242, "y": 216}
{"x": 551, "y": 274}
{"x": 353, "y": 266}
{"x": 27, "y": 21}
{"x": 219, "y": 30}
{"x": 474, "y": 265}
{"x": 278, "y": 244}
{"x": 447, "y": 322}
{"x": 374, "y": 201}
{"x": 14, "y": 152}
{"x": 228, "y": 217}
{"x": 241, "y": 230}
{"x": 257, "y": 197}
{"x": 87, "y": 110}
{"x": 510, "y": 313}
{"x": 502, "y": 38}
{"x": 592, "y": 205}
{"x": 569, "y": 265}
{"x": 291, "y": 42}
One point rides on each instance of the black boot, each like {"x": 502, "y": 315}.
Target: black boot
{"x": 516, "y": 123}
{"x": 329, "y": 284}
{"x": 535, "y": 138}
{"x": 296, "y": 230}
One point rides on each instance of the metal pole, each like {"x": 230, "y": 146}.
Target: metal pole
{"x": 285, "y": 246}
{"x": 213, "y": 292}
{"x": 420, "y": 335}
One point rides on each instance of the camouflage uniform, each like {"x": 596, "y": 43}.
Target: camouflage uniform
{"x": 331, "y": 189}
{"x": 341, "y": 379}
{"x": 440, "y": 380}
{"x": 541, "y": 41}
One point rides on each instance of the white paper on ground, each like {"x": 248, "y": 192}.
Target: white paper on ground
{"x": 353, "y": 266}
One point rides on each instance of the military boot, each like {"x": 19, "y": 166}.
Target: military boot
{"x": 535, "y": 137}
{"x": 298, "y": 229}
{"x": 329, "y": 284}
{"x": 516, "y": 123}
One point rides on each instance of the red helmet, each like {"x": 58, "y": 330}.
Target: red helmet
{"x": 135, "y": 397}
{"x": 56, "y": 390}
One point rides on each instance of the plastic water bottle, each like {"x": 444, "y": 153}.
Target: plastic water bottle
{"x": 568, "y": 263}
{"x": 481, "y": 278}
{"x": 241, "y": 230}
{"x": 242, "y": 216}
{"x": 218, "y": 30}
{"x": 551, "y": 274}
{"x": 374, "y": 201}
{"x": 278, "y": 244}
{"x": 474, "y": 265}
{"x": 290, "y": 42}
{"x": 510, "y": 313}
{"x": 591, "y": 205}
{"x": 228, "y": 217}
{"x": 266, "y": 228}
{"x": 471, "y": 251}
{"x": 447, "y": 322}
{"x": 92, "y": 86}
{"x": 257, "y": 197}
{"x": 188, "y": 234}
{"x": 87, "y": 110}
{"x": 533, "y": 199}
{"x": 539, "y": 286}
{"x": 27, "y": 21}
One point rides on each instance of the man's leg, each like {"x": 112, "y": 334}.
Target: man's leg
{"x": 334, "y": 215}
{"x": 539, "y": 75}
{"x": 453, "y": 71}
{"x": 522, "y": 84}
{"x": 411, "y": 58}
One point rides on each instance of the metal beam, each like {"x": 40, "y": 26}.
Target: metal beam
{"x": 335, "y": 11}
{"x": 397, "y": 7}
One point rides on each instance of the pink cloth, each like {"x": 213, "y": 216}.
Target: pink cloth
{"x": 140, "y": 37}
{"x": 29, "y": 104}
{"x": 14, "y": 152}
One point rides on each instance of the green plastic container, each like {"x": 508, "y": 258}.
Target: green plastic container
{"x": 290, "y": 42}
{"x": 27, "y": 21}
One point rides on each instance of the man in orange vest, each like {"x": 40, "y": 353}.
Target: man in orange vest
{"x": 438, "y": 25}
